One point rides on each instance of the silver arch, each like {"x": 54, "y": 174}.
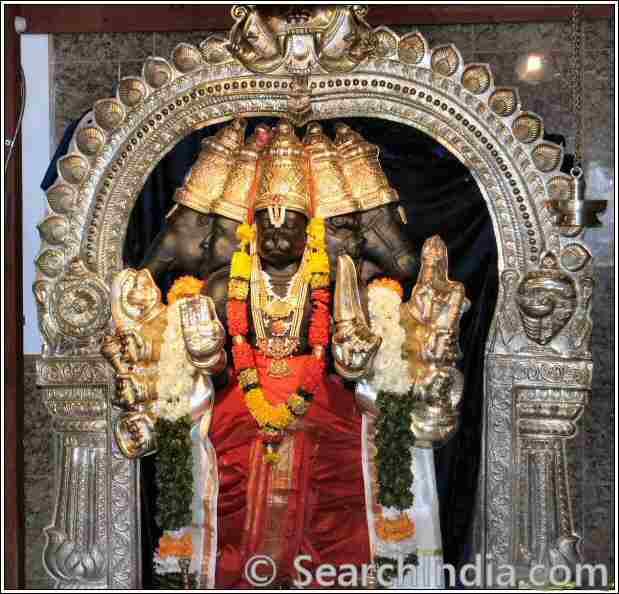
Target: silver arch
{"x": 535, "y": 386}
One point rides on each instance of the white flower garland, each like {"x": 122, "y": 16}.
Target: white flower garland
{"x": 176, "y": 373}
{"x": 391, "y": 373}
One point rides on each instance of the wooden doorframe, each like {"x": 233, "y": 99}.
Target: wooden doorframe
{"x": 13, "y": 319}
{"x": 84, "y": 18}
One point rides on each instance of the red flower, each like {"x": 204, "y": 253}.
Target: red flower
{"x": 320, "y": 327}
{"x": 238, "y": 317}
{"x": 243, "y": 356}
{"x": 321, "y": 296}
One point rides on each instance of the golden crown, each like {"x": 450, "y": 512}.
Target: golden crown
{"x": 238, "y": 193}
{"x": 205, "y": 187}
{"x": 359, "y": 160}
{"x": 284, "y": 176}
{"x": 316, "y": 178}
{"x": 331, "y": 195}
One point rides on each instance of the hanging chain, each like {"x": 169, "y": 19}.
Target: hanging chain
{"x": 576, "y": 80}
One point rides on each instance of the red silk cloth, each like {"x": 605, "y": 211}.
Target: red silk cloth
{"x": 311, "y": 503}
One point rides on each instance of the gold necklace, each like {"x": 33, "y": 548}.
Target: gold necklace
{"x": 280, "y": 316}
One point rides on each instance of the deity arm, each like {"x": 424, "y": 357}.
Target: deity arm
{"x": 458, "y": 303}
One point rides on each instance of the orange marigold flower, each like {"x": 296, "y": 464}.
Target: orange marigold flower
{"x": 388, "y": 283}
{"x": 185, "y": 286}
{"x": 171, "y": 546}
{"x": 395, "y": 530}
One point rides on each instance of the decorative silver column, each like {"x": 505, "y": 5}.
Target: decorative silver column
{"x": 94, "y": 538}
{"x": 533, "y": 410}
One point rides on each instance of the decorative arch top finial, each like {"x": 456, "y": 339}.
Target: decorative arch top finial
{"x": 311, "y": 39}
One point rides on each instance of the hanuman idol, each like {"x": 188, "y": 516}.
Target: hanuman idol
{"x": 279, "y": 377}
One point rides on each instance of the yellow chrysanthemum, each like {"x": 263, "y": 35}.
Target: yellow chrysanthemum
{"x": 246, "y": 233}
{"x": 265, "y": 413}
{"x": 241, "y": 265}
{"x": 388, "y": 283}
{"x": 320, "y": 281}
{"x": 238, "y": 289}
{"x": 185, "y": 286}
{"x": 319, "y": 262}
{"x": 317, "y": 232}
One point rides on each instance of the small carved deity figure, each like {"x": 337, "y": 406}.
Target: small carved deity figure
{"x": 144, "y": 351}
{"x": 432, "y": 321}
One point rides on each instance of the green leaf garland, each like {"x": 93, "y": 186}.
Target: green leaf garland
{"x": 173, "y": 473}
{"x": 394, "y": 440}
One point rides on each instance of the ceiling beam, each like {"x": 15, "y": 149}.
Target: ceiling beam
{"x": 126, "y": 18}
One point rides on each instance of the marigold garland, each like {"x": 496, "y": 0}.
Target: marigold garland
{"x": 273, "y": 420}
{"x": 243, "y": 356}
{"x": 241, "y": 266}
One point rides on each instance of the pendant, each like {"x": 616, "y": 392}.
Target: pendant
{"x": 279, "y": 368}
{"x": 278, "y": 308}
{"x": 279, "y": 328}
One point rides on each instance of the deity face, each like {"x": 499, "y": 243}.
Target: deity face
{"x": 218, "y": 245}
{"x": 281, "y": 246}
{"x": 344, "y": 237}
{"x": 386, "y": 245}
{"x": 144, "y": 295}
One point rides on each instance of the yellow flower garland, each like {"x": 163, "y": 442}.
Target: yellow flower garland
{"x": 241, "y": 265}
{"x": 265, "y": 413}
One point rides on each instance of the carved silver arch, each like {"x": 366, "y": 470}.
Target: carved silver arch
{"x": 538, "y": 369}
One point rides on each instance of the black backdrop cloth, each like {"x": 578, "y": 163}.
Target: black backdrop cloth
{"x": 440, "y": 197}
